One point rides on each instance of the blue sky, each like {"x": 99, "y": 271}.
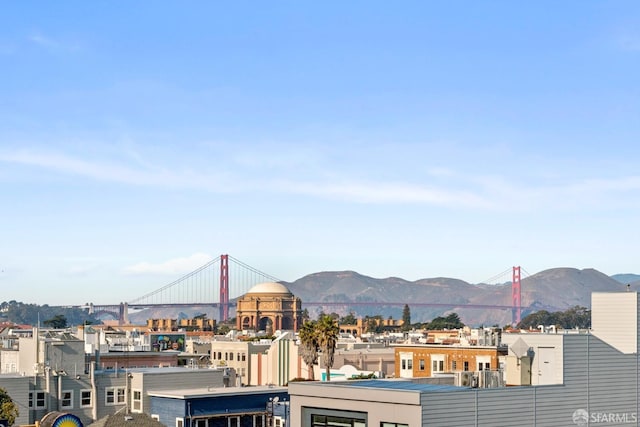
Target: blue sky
{"x": 413, "y": 139}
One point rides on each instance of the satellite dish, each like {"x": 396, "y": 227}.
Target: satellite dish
{"x": 519, "y": 348}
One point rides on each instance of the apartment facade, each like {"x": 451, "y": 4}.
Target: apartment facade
{"x": 425, "y": 360}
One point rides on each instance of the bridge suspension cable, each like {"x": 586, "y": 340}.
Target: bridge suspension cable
{"x": 254, "y": 270}
{"x": 492, "y": 280}
{"x": 175, "y": 282}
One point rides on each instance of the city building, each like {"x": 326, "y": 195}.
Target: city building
{"x": 279, "y": 363}
{"x": 56, "y": 375}
{"x": 200, "y": 323}
{"x": 269, "y": 307}
{"x": 426, "y": 360}
{"x": 594, "y": 380}
{"x": 217, "y": 407}
{"x": 365, "y": 358}
{"x": 237, "y": 354}
{"x": 368, "y": 325}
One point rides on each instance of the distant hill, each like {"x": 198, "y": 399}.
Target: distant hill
{"x": 627, "y": 278}
{"x": 553, "y": 290}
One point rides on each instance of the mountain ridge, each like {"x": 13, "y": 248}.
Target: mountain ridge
{"x": 554, "y": 289}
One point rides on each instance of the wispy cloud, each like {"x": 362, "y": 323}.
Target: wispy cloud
{"x": 384, "y": 192}
{"x": 103, "y": 171}
{"x": 336, "y": 187}
{"x": 444, "y": 187}
{"x": 172, "y": 266}
{"x": 51, "y": 44}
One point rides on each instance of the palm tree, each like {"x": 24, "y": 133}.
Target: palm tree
{"x": 309, "y": 345}
{"x": 327, "y": 331}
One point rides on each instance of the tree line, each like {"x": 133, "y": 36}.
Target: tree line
{"x": 33, "y": 314}
{"x": 574, "y": 317}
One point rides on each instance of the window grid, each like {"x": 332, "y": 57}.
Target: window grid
{"x": 66, "y": 399}
{"x": 85, "y": 398}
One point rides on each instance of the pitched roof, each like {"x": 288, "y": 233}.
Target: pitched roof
{"x": 126, "y": 420}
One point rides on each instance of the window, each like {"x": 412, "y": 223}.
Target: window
{"x": 406, "y": 364}
{"x": 85, "y": 398}
{"x": 137, "y": 400}
{"x": 39, "y": 399}
{"x": 244, "y": 357}
{"x": 486, "y": 366}
{"x": 114, "y": 396}
{"x": 454, "y": 365}
{"x": 422, "y": 364}
{"x": 483, "y": 363}
{"x": 200, "y": 423}
{"x": 234, "y": 422}
{"x": 466, "y": 366}
{"x": 258, "y": 421}
{"x": 66, "y": 399}
{"x": 179, "y": 422}
{"x": 109, "y": 398}
{"x": 437, "y": 363}
{"x": 328, "y": 420}
{"x": 383, "y": 424}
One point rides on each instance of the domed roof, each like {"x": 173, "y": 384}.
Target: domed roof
{"x": 269, "y": 288}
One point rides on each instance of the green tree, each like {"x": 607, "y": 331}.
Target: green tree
{"x": 574, "y": 317}
{"x": 59, "y": 321}
{"x": 349, "y": 319}
{"x": 8, "y": 409}
{"x": 406, "y": 318}
{"x": 327, "y": 332}
{"x": 309, "y": 345}
{"x": 451, "y": 321}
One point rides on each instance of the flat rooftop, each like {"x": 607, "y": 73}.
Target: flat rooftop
{"x": 216, "y": 391}
{"x": 394, "y": 384}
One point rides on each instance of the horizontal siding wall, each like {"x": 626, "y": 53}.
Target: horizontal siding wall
{"x": 167, "y": 409}
{"x": 449, "y": 409}
{"x": 187, "y": 379}
{"x": 597, "y": 378}
{"x": 613, "y": 379}
{"x": 18, "y": 389}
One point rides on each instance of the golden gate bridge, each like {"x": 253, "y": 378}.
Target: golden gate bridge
{"x": 212, "y": 286}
